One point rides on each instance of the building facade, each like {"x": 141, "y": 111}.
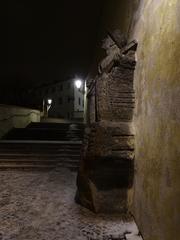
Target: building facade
{"x": 67, "y": 99}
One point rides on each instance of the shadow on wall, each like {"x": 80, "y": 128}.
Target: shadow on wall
{"x": 112, "y": 166}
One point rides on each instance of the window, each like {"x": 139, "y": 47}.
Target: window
{"x": 60, "y": 100}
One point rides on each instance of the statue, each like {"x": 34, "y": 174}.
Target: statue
{"x": 106, "y": 171}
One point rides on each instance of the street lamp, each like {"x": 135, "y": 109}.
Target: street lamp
{"x": 78, "y": 83}
{"x": 46, "y": 106}
{"x": 49, "y": 101}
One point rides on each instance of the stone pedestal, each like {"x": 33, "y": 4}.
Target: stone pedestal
{"x": 106, "y": 172}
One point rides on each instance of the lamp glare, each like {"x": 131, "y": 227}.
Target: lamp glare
{"x": 49, "y": 101}
{"x": 78, "y": 84}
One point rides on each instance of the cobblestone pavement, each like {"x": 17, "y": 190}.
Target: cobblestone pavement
{"x": 40, "y": 206}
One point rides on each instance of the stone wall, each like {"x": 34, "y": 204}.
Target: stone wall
{"x": 13, "y": 116}
{"x": 155, "y": 24}
{"x": 106, "y": 172}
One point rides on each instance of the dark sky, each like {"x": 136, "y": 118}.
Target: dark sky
{"x": 43, "y": 41}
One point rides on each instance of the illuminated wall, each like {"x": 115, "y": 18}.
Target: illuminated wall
{"x": 157, "y": 119}
{"x": 16, "y": 117}
{"x": 156, "y": 26}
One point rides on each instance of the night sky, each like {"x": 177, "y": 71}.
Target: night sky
{"x": 46, "y": 41}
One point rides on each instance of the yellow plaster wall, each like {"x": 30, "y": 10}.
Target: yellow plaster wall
{"x": 156, "y": 26}
{"x": 157, "y": 119}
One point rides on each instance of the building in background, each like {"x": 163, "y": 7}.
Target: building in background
{"x": 67, "y": 99}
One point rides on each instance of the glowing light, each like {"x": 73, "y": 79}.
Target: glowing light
{"x": 49, "y": 101}
{"x": 78, "y": 83}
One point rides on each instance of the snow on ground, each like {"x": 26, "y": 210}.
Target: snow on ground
{"x": 40, "y": 206}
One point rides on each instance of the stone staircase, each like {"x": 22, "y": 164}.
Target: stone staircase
{"x": 42, "y": 146}
{"x": 47, "y": 131}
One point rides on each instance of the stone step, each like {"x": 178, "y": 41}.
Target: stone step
{"x": 27, "y": 164}
{"x": 42, "y": 146}
{"x": 45, "y": 147}
{"x": 40, "y": 142}
{"x": 41, "y": 138}
{"x": 49, "y": 129}
{"x": 56, "y": 125}
{"x": 36, "y": 162}
{"x": 28, "y": 167}
{"x": 46, "y": 129}
{"x": 42, "y": 133}
{"x": 38, "y": 146}
{"x": 29, "y": 155}
{"x": 50, "y": 154}
{"x": 33, "y": 152}
{"x": 30, "y": 159}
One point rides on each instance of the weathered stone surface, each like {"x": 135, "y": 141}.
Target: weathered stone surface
{"x": 40, "y": 206}
{"x": 110, "y": 87}
{"x": 106, "y": 171}
{"x": 104, "y": 200}
{"x": 122, "y": 143}
{"x": 106, "y": 138}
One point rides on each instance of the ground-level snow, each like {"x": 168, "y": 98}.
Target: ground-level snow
{"x": 40, "y": 206}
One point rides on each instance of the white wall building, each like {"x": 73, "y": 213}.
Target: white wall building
{"x": 67, "y": 100}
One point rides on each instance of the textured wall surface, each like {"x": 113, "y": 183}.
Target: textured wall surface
{"x": 12, "y": 116}
{"x": 157, "y": 119}
{"x": 156, "y": 26}
{"x": 106, "y": 173}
